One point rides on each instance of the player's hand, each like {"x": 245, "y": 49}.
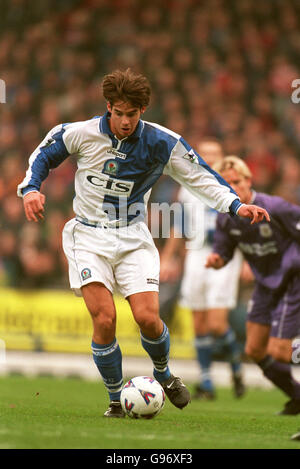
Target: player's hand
{"x": 254, "y": 212}
{"x": 215, "y": 261}
{"x": 34, "y": 206}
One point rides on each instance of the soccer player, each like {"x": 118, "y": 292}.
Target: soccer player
{"x": 209, "y": 294}
{"x": 273, "y": 253}
{"x": 107, "y": 244}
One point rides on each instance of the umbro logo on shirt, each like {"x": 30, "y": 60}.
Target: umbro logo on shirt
{"x": 114, "y": 152}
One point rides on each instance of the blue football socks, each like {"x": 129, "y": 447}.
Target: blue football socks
{"x": 230, "y": 346}
{"x": 158, "y": 350}
{"x": 204, "y": 347}
{"x": 108, "y": 359}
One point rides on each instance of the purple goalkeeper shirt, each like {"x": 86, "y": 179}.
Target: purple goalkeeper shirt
{"x": 271, "y": 249}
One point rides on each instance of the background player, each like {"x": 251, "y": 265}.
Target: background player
{"x": 107, "y": 244}
{"x": 273, "y": 252}
{"x": 209, "y": 294}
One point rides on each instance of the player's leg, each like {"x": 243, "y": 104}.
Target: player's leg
{"x": 154, "y": 333}
{"x": 258, "y": 330}
{"x": 257, "y": 349}
{"x": 225, "y": 339}
{"x": 155, "y": 340}
{"x": 192, "y": 296}
{"x": 105, "y": 348}
{"x": 204, "y": 348}
{"x": 285, "y": 326}
{"x": 257, "y": 340}
{"x": 285, "y": 321}
{"x": 137, "y": 276}
{"x": 278, "y": 373}
{"x": 258, "y": 325}
{"x": 222, "y": 296}
{"x": 280, "y": 349}
{"x": 90, "y": 254}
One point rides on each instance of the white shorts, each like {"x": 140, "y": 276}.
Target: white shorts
{"x": 203, "y": 288}
{"x": 125, "y": 260}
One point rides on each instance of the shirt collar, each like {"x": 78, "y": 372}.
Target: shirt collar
{"x": 105, "y": 129}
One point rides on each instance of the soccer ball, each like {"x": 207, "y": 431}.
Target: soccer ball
{"x": 142, "y": 397}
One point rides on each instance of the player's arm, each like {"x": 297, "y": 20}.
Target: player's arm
{"x": 224, "y": 245}
{"x": 191, "y": 171}
{"x": 286, "y": 216}
{"x": 48, "y": 155}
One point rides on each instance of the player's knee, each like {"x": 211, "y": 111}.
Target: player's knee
{"x": 104, "y": 321}
{"x": 201, "y": 326}
{"x": 148, "y": 321}
{"x": 254, "y": 352}
{"x": 217, "y": 323}
{"x": 280, "y": 352}
{"x": 145, "y": 313}
{"x": 218, "y": 329}
{"x": 201, "y": 329}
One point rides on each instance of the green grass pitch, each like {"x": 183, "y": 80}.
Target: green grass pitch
{"x": 47, "y": 412}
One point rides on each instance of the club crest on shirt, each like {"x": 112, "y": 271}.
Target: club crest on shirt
{"x": 111, "y": 167}
{"x": 265, "y": 230}
{"x": 190, "y": 156}
{"x": 86, "y": 273}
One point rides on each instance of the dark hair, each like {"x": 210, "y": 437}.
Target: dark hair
{"x": 126, "y": 86}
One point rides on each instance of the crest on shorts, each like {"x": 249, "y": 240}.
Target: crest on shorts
{"x": 86, "y": 273}
{"x": 265, "y": 230}
{"x": 111, "y": 167}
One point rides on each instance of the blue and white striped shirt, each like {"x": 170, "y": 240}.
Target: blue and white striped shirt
{"x": 114, "y": 177}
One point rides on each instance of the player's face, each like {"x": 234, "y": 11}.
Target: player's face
{"x": 211, "y": 152}
{"x": 240, "y": 184}
{"x": 124, "y": 118}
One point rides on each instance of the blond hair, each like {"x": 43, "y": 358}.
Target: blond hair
{"x": 233, "y": 162}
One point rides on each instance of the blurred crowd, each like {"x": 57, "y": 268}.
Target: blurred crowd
{"x": 218, "y": 68}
